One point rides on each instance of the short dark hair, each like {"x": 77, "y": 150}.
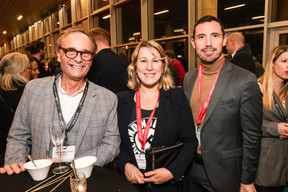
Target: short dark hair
{"x": 99, "y": 34}
{"x": 170, "y": 53}
{"x": 35, "y": 47}
{"x": 208, "y": 18}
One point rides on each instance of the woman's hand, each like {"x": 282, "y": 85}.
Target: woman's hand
{"x": 283, "y": 129}
{"x": 158, "y": 176}
{"x": 133, "y": 174}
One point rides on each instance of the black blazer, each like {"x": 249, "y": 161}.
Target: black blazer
{"x": 109, "y": 70}
{"x": 244, "y": 59}
{"x": 175, "y": 123}
{"x": 231, "y": 131}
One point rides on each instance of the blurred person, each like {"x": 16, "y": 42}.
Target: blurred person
{"x": 109, "y": 69}
{"x": 38, "y": 51}
{"x": 14, "y": 74}
{"x": 153, "y": 96}
{"x": 241, "y": 55}
{"x": 34, "y": 66}
{"x": 177, "y": 65}
{"x": 227, "y": 108}
{"x": 87, "y": 111}
{"x": 272, "y": 173}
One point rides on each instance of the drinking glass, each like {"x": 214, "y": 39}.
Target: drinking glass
{"x": 79, "y": 184}
{"x": 57, "y": 135}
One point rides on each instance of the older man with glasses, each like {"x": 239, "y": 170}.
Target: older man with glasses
{"x": 86, "y": 110}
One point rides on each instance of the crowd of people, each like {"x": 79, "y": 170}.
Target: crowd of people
{"x": 232, "y": 127}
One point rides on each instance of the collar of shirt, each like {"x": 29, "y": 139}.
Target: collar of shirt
{"x": 62, "y": 91}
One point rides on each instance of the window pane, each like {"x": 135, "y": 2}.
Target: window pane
{"x": 102, "y": 20}
{"x": 279, "y": 10}
{"x": 170, "y": 18}
{"x": 83, "y": 24}
{"x": 248, "y": 12}
{"x": 97, "y": 4}
{"x": 67, "y": 16}
{"x": 130, "y": 15}
{"x": 254, "y": 38}
{"x": 283, "y": 39}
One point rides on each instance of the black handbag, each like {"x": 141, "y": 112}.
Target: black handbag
{"x": 161, "y": 157}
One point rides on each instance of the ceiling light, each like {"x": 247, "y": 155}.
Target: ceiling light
{"x": 39, "y": 21}
{"x": 4, "y": 32}
{"x": 136, "y": 33}
{"x": 58, "y": 23}
{"x": 258, "y": 17}
{"x": 234, "y": 7}
{"x": 33, "y": 25}
{"x": 106, "y": 17}
{"x": 19, "y": 17}
{"x": 161, "y": 12}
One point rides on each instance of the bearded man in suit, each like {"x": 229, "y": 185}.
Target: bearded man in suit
{"x": 226, "y": 104}
{"x": 86, "y": 110}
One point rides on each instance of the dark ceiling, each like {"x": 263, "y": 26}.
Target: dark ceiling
{"x": 32, "y": 11}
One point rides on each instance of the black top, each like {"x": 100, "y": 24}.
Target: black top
{"x": 7, "y": 109}
{"x": 109, "y": 70}
{"x": 42, "y": 71}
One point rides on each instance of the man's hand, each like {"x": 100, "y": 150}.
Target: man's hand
{"x": 247, "y": 188}
{"x": 14, "y": 168}
{"x": 133, "y": 174}
{"x": 158, "y": 176}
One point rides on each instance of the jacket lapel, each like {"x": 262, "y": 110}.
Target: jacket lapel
{"x": 48, "y": 111}
{"x": 223, "y": 79}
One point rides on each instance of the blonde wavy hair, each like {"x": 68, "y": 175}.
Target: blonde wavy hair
{"x": 267, "y": 82}
{"x": 12, "y": 66}
{"x": 166, "y": 81}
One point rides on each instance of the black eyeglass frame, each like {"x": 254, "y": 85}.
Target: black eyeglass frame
{"x": 66, "y": 50}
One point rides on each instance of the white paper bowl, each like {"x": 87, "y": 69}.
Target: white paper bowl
{"x": 85, "y": 165}
{"x": 41, "y": 172}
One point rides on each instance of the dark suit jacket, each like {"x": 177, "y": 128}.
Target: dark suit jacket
{"x": 109, "y": 70}
{"x": 231, "y": 132}
{"x": 273, "y": 161}
{"x": 244, "y": 59}
{"x": 175, "y": 123}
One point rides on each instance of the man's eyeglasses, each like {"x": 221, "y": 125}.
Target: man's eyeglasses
{"x": 71, "y": 53}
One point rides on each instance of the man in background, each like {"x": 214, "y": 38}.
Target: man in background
{"x": 37, "y": 50}
{"x": 240, "y": 54}
{"x": 108, "y": 69}
{"x": 177, "y": 65}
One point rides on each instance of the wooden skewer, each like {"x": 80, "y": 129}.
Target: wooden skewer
{"x": 62, "y": 181}
{"x": 52, "y": 182}
{"x": 40, "y": 183}
{"x": 48, "y": 183}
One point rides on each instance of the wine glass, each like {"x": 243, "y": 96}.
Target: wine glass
{"x": 57, "y": 135}
{"x": 78, "y": 184}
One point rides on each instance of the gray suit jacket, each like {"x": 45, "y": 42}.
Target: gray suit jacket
{"x": 273, "y": 161}
{"x": 231, "y": 131}
{"x": 97, "y": 125}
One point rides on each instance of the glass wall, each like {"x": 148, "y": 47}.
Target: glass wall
{"x": 279, "y": 10}
{"x": 170, "y": 18}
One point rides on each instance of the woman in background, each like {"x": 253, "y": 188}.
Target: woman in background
{"x": 272, "y": 173}
{"x": 153, "y": 114}
{"x": 14, "y": 74}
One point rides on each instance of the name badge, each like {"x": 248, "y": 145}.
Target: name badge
{"x": 198, "y": 133}
{"x": 67, "y": 153}
{"x": 141, "y": 161}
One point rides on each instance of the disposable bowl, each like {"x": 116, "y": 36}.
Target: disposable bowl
{"x": 41, "y": 171}
{"x": 85, "y": 165}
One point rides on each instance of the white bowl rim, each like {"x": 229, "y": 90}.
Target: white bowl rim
{"x": 93, "y": 159}
{"x": 33, "y": 167}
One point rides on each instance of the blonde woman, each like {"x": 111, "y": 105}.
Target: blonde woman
{"x": 14, "y": 74}
{"x": 153, "y": 114}
{"x": 272, "y": 173}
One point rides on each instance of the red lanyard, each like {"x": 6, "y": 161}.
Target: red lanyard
{"x": 202, "y": 110}
{"x": 143, "y": 137}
